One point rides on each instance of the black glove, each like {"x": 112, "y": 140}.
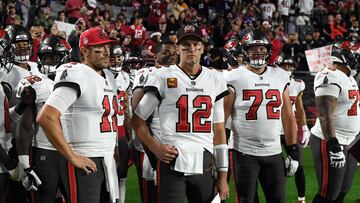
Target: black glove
{"x": 27, "y": 97}
{"x": 291, "y": 161}
{"x": 337, "y": 156}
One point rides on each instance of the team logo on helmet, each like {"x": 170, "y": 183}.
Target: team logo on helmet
{"x": 230, "y": 44}
{"x": 189, "y": 28}
{"x": 102, "y": 34}
{"x": 86, "y": 40}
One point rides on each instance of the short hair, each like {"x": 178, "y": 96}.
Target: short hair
{"x": 160, "y": 44}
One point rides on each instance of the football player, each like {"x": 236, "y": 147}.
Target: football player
{"x": 337, "y": 102}
{"x": 258, "y": 103}
{"x": 189, "y": 99}
{"x": 8, "y": 115}
{"x": 296, "y": 89}
{"x": 117, "y": 57}
{"x": 46, "y": 161}
{"x": 146, "y": 166}
{"x": 87, "y": 131}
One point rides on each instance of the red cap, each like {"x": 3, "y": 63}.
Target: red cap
{"x": 94, "y": 36}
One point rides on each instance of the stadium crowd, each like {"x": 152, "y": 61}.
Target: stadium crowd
{"x": 138, "y": 51}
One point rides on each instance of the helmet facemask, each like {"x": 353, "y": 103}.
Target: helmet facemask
{"x": 257, "y": 55}
{"x": 22, "y": 51}
{"x": 6, "y": 58}
{"x": 50, "y": 62}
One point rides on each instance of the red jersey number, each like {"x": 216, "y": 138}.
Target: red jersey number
{"x": 105, "y": 125}
{"x": 272, "y": 106}
{"x": 203, "y": 105}
{"x": 353, "y": 94}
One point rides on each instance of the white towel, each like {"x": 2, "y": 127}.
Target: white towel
{"x": 111, "y": 177}
{"x": 190, "y": 158}
{"x": 216, "y": 199}
{"x": 147, "y": 171}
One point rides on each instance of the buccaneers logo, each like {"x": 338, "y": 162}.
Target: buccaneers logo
{"x": 102, "y": 34}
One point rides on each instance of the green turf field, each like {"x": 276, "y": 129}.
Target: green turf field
{"x": 133, "y": 194}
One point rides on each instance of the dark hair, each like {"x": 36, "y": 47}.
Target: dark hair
{"x": 159, "y": 45}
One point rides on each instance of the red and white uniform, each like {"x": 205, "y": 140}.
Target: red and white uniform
{"x": 90, "y": 123}
{"x": 139, "y": 82}
{"x": 186, "y": 113}
{"x": 122, "y": 84}
{"x": 43, "y": 87}
{"x": 139, "y": 33}
{"x": 346, "y": 116}
{"x": 258, "y": 102}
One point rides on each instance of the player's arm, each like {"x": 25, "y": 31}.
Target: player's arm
{"x": 325, "y": 106}
{"x": 229, "y": 102}
{"x": 49, "y": 119}
{"x": 301, "y": 119}
{"x": 26, "y": 134}
{"x": 144, "y": 109}
{"x": 289, "y": 125}
{"x": 288, "y": 119}
{"x": 5, "y": 159}
{"x": 127, "y": 118}
{"x": 220, "y": 149}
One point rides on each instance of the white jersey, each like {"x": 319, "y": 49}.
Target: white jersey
{"x": 284, "y": 6}
{"x": 139, "y": 82}
{"x": 185, "y": 109}
{"x": 267, "y": 10}
{"x": 5, "y": 121}
{"x": 122, "y": 84}
{"x": 256, "y": 114}
{"x": 43, "y": 87}
{"x": 90, "y": 123}
{"x": 346, "y": 116}
{"x": 15, "y": 75}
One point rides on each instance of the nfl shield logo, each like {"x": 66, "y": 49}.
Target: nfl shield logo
{"x": 193, "y": 82}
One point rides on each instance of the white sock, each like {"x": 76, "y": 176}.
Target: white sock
{"x": 122, "y": 190}
{"x": 301, "y": 198}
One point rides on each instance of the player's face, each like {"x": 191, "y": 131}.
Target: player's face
{"x": 22, "y": 49}
{"x": 190, "y": 50}
{"x": 99, "y": 56}
{"x": 288, "y": 68}
{"x": 257, "y": 55}
{"x": 167, "y": 55}
{"x": 115, "y": 60}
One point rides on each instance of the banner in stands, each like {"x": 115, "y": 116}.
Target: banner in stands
{"x": 67, "y": 27}
{"x": 318, "y": 58}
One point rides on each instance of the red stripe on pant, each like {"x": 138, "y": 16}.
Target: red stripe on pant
{"x": 232, "y": 175}
{"x": 72, "y": 183}
{"x": 121, "y": 131}
{"x": 325, "y": 168}
{"x": 158, "y": 180}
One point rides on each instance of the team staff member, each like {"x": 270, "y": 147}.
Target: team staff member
{"x": 190, "y": 102}
{"x": 85, "y": 97}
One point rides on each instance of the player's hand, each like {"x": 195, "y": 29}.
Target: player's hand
{"x": 28, "y": 95}
{"x": 291, "y": 166}
{"x": 84, "y": 163}
{"x": 222, "y": 186}
{"x": 337, "y": 156}
{"x": 30, "y": 180}
{"x": 292, "y": 159}
{"x": 306, "y": 136}
{"x": 15, "y": 173}
{"x": 166, "y": 153}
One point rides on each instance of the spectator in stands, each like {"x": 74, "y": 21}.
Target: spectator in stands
{"x": 172, "y": 36}
{"x": 219, "y": 31}
{"x": 139, "y": 34}
{"x": 172, "y": 23}
{"x": 150, "y": 46}
{"x": 283, "y": 9}
{"x": 72, "y": 8}
{"x": 47, "y": 20}
{"x": 25, "y": 6}
{"x": 61, "y": 16}
{"x": 235, "y": 29}
{"x": 154, "y": 15}
{"x": 109, "y": 9}
{"x": 337, "y": 27}
{"x": 163, "y": 26}
{"x": 292, "y": 47}
{"x": 74, "y": 38}
{"x": 121, "y": 27}
{"x": 267, "y": 9}
{"x": 11, "y": 13}
{"x": 318, "y": 40}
